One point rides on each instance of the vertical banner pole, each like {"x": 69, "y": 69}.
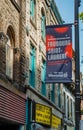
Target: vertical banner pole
{"x": 77, "y": 68}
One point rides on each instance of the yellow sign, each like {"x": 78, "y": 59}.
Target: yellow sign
{"x": 56, "y": 122}
{"x": 43, "y": 114}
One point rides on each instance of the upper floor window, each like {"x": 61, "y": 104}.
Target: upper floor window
{"x": 70, "y": 109}
{"x": 33, "y": 9}
{"x": 67, "y": 107}
{"x": 9, "y": 54}
{"x": 53, "y": 93}
{"x": 43, "y": 72}
{"x": 32, "y": 66}
{"x": 59, "y": 96}
{"x": 64, "y": 96}
{"x": 43, "y": 24}
{"x": 56, "y": 94}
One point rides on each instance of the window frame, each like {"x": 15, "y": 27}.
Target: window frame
{"x": 32, "y": 66}
{"x": 43, "y": 24}
{"x": 9, "y": 55}
{"x": 33, "y": 10}
{"x": 43, "y": 69}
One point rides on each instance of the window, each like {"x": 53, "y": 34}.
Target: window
{"x": 32, "y": 67}
{"x": 70, "y": 109}
{"x": 67, "y": 107}
{"x": 43, "y": 23}
{"x": 59, "y": 96}
{"x": 43, "y": 72}
{"x": 48, "y": 91}
{"x": 9, "y": 55}
{"x": 64, "y": 96}
{"x": 33, "y": 10}
{"x": 53, "y": 93}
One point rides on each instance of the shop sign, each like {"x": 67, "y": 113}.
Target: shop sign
{"x": 43, "y": 114}
{"x": 56, "y": 122}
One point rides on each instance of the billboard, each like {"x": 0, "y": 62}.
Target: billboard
{"x": 59, "y": 53}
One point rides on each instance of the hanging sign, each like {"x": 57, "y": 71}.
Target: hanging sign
{"x": 58, "y": 53}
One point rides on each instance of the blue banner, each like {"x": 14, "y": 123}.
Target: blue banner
{"x": 59, "y": 53}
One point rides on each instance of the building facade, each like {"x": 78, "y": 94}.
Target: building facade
{"x": 12, "y": 95}
{"x": 31, "y": 103}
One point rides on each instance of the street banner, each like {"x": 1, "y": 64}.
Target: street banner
{"x": 59, "y": 53}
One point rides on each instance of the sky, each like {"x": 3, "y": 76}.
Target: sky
{"x": 66, "y": 10}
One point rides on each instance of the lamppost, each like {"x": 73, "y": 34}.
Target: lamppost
{"x": 77, "y": 66}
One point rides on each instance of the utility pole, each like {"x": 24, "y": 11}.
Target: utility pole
{"x": 77, "y": 67}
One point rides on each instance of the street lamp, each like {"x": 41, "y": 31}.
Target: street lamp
{"x": 77, "y": 68}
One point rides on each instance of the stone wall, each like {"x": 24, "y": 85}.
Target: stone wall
{"x": 13, "y": 15}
